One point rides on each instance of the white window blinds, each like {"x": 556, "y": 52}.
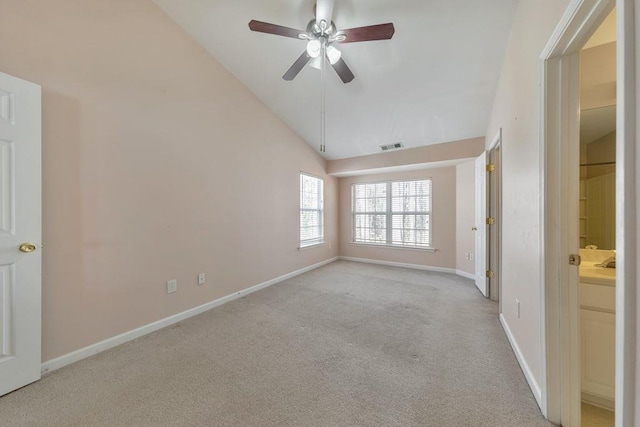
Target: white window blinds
{"x": 392, "y": 213}
{"x": 311, "y": 210}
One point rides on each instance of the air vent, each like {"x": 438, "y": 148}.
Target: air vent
{"x": 393, "y": 146}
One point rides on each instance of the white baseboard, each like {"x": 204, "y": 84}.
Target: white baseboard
{"x": 399, "y": 264}
{"x": 599, "y": 401}
{"x": 67, "y": 359}
{"x": 533, "y": 384}
{"x": 465, "y": 274}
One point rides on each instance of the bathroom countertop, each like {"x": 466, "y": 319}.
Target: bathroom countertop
{"x": 589, "y": 273}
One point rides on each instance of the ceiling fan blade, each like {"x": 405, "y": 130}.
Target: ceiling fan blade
{"x": 343, "y": 71}
{"x": 372, "y": 32}
{"x": 278, "y": 30}
{"x": 293, "y": 71}
{"x": 324, "y": 11}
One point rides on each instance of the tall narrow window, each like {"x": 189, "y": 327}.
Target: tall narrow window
{"x": 311, "y": 210}
{"x": 396, "y": 213}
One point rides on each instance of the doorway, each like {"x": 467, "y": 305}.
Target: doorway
{"x": 597, "y": 226}
{"x": 560, "y": 62}
{"x": 494, "y": 213}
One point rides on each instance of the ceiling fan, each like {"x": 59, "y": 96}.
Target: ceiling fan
{"x": 321, "y": 34}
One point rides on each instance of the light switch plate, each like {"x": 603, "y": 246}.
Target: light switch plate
{"x": 172, "y": 286}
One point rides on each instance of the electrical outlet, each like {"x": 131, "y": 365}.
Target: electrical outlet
{"x": 201, "y": 279}
{"x": 471, "y": 256}
{"x": 172, "y": 286}
{"x": 518, "y": 308}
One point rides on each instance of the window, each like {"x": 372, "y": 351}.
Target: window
{"x": 394, "y": 213}
{"x": 311, "y": 210}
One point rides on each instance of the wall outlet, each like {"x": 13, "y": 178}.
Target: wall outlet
{"x": 518, "y": 308}
{"x": 201, "y": 279}
{"x": 172, "y": 286}
{"x": 470, "y": 256}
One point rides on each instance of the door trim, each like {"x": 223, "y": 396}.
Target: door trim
{"x": 627, "y": 221}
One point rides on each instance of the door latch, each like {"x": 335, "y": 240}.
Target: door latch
{"x": 575, "y": 259}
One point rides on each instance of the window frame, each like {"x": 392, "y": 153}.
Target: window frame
{"x": 389, "y": 213}
{"x": 316, "y": 240}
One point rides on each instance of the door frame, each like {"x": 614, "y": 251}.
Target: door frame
{"x": 494, "y": 209}
{"x": 628, "y": 220}
{"x": 559, "y": 66}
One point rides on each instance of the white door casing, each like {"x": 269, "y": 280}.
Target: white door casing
{"x": 20, "y": 222}
{"x": 481, "y": 224}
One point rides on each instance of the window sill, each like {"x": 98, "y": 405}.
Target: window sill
{"x": 384, "y": 246}
{"x": 312, "y": 245}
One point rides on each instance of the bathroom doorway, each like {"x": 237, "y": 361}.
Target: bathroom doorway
{"x": 597, "y": 226}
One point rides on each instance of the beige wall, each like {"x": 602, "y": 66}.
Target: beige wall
{"x": 517, "y": 110}
{"x": 601, "y": 150}
{"x": 445, "y": 152}
{"x": 600, "y": 193}
{"x": 157, "y": 164}
{"x": 443, "y": 219}
{"x": 465, "y": 216}
{"x": 598, "y": 76}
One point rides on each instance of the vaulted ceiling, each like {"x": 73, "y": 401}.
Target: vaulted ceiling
{"x": 433, "y": 82}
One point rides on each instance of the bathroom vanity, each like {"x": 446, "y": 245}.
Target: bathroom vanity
{"x": 597, "y": 295}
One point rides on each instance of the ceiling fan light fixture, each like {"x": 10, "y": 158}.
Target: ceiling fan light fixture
{"x": 333, "y": 54}
{"x": 313, "y": 48}
{"x": 316, "y": 63}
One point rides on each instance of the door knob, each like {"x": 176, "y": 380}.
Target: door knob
{"x": 474, "y": 228}
{"x": 27, "y": 247}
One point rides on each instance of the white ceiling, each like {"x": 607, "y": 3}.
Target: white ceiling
{"x": 433, "y": 82}
{"x": 598, "y": 122}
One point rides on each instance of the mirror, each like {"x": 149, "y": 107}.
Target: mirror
{"x": 598, "y": 177}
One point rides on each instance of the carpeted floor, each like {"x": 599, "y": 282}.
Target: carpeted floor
{"x": 347, "y": 344}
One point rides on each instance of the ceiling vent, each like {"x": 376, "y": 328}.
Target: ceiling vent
{"x": 393, "y": 146}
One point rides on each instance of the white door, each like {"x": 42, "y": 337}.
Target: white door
{"x": 481, "y": 224}
{"x": 20, "y": 226}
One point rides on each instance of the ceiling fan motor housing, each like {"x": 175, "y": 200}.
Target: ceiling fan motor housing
{"x": 328, "y": 32}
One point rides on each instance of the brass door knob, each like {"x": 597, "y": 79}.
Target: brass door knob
{"x": 27, "y": 247}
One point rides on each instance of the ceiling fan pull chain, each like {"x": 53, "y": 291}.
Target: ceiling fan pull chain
{"x": 322, "y": 100}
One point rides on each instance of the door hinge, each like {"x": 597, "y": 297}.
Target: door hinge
{"x": 491, "y": 220}
{"x": 491, "y": 167}
{"x": 490, "y": 274}
{"x": 575, "y": 259}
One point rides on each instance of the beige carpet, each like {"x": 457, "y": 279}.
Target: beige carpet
{"x": 345, "y": 345}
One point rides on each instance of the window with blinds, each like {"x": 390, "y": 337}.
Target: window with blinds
{"x": 394, "y": 213}
{"x": 311, "y": 210}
